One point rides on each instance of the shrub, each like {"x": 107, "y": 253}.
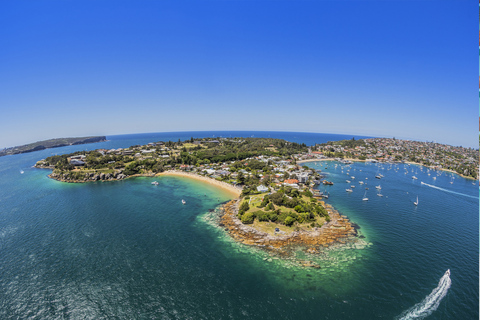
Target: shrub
{"x": 248, "y": 218}
{"x": 263, "y": 217}
{"x": 277, "y": 198}
{"x": 273, "y": 216}
{"x": 244, "y": 207}
{"x": 289, "y": 221}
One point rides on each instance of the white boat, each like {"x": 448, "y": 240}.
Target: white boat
{"x": 349, "y": 190}
{"x": 416, "y": 202}
{"x": 415, "y": 178}
{"x": 183, "y": 201}
{"x": 378, "y": 187}
{"x": 155, "y": 183}
{"x": 379, "y": 194}
{"x": 434, "y": 178}
{"x": 365, "y": 196}
{"x": 352, "y": 177}
{"x": 352, "y": 186}
{"x": 348, "y": 181}
{"x": 22, "y": 172}
{"x": 361, "y": 182}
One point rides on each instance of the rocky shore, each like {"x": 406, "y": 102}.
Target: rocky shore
{"x": 338, "y": 231}
{"x": 89, "y": 177}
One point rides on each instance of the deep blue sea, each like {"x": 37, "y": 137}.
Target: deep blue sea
{"x": 131, "y": 250}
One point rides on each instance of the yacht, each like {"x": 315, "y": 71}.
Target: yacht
{"x": 365, "y": 196}
{"x": 415, "y": 178}
{"x": 183, "y": 201}
{"x": 378, "y": 187}
{"x": 349, "y": 190}
{"x": 155, "y": 183}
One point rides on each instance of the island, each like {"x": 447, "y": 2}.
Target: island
{"x": 51, "y": 143}
{"x": 277, "y": 206}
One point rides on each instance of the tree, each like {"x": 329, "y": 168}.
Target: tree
{"x": 277, "y": 198}
{"x": 248, "y": 218}
{"x": 244, "y": 207}
{"x": 289, "y": 221}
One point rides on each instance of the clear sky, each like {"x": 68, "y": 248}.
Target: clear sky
{"x": 404, "y": 69}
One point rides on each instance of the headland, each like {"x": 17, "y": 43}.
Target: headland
{"x": 276, "y": 206}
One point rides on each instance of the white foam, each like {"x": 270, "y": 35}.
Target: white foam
{"x": 446, "y": 190}
{"x": 431, "y": 302}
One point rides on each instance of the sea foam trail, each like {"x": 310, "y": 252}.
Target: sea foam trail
{"x": 446, "y": 190}
{"x": 431, "y": 302}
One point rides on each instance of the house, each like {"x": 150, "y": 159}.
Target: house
{"x": 302, "y": 177}
{"x": 262, "y": 188}
{"x": 127, "y": 152}
{"x": 210, "y": 171}
{"x": 77, "y": 162}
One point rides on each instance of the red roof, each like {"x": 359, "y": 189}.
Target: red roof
{"x": 291, "y": 181}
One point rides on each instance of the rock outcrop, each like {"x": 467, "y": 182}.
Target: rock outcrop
{"x": 338, "y": 230}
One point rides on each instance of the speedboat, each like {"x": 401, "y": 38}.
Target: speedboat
{"x": 155, "y": 183}
{"x": 349, "y": 190}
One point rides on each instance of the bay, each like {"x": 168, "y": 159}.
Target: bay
{"x": 130, "y": 250}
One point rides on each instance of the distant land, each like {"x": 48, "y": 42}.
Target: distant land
{"x": 51, "y": 143}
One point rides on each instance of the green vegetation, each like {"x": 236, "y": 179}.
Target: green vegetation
{"x": 52, "y": 143}
{"x": 287, "y": 207}
{"x": 160, "y": 156}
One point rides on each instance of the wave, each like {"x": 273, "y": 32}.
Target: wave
{"x": 450, "y": 191}
{"x": 431, "y": 302}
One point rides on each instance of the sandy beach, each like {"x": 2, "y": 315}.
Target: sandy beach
{"x": 236, "y": 191}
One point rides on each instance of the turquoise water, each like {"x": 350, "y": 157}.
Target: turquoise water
{"x": 131, "y": 250}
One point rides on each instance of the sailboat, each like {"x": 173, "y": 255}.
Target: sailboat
{"x": 365, "y": 196}
{"x": 416, "y": 202}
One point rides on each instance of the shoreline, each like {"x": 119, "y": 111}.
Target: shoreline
{"x": 406, "y": 162}
{"x": 339, "y": 231}
{"x": 236, "y": 191}
{"x": 220, "y": 184}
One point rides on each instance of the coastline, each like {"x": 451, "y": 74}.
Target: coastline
{"x": 236, "y": 191}
{"x": 339, "y": 231}
{"x": 406, "y": 162}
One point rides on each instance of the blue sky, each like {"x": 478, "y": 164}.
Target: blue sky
{"x": 404, "y": 69}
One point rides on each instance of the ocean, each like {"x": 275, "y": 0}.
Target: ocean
{"x": 131, "y": 250}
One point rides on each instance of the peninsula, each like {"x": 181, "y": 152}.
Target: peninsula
{"x": 51, "y": 143}
{"x": 277, "y": 204}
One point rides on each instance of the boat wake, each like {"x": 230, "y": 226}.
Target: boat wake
{"x": 431, "y": 302}
{"x": 450, "y": 191}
